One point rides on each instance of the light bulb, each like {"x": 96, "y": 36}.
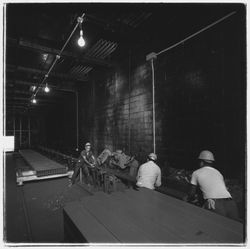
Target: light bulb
{"x": 33, "y": 88}
{"x": 46, "y": 89}
{"x": 33, "y": 101}
{"x": 81, "y": 41}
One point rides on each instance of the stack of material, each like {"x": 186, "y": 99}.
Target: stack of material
{"x": 42, "y": 167}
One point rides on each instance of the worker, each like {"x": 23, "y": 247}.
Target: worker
{"x": 86, "y": 161}
{"x": 211, "y": 183}
{"x": 104, "y": 156}
{"x": 149, "y": 173}
{"x": 120, "y": 159}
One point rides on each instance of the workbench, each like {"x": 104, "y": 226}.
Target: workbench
{"x": 146, "y": 216}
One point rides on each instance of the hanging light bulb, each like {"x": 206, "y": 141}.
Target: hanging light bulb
{"x": 46, "y": 88}
{"x": 81, "y": 41}
{"x": 33, "y": 100}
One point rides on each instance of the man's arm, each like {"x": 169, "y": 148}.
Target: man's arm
{"x": 138, "y": 174}
{"x": 158, "y": 180}
{"x": 192, "y": 188}
{"x": 85, "y": 159}
{"x": 191, "y": 193}
{"x": 94, "y": 160}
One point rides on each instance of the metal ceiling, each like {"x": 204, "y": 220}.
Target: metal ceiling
{"x": 35, "y": 34}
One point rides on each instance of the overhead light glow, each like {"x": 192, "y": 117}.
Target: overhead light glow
{"x": 34, "y": 101}
{"x": 81, "y": 41}
{"x": 46, "y": 89}
{"x": 33, "y": 88}
{"x": 45, "y": 56}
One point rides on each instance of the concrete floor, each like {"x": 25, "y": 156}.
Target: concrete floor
{"x": 33, "y": 212}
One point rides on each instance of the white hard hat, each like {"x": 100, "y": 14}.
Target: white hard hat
{"x": 152, "y": 156}
{"x": 206, "y": 155}
{"x": 87, "y": 144}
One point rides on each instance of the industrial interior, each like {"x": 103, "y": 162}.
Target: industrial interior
{"x": 130, "y": 79}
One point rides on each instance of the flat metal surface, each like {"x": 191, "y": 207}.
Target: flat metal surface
{"x": 41, "y": 164}
{"x": 147, "y": 216}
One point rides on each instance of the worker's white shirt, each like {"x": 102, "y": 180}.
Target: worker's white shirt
{"x": 149, "y": 175}
{"x": 211, "y": 183}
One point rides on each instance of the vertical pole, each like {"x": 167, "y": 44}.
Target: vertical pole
{"x": 77, "y": 127}
{"x": 20, "y": 133}
{"x": 93, "y": 116}
{"x": 153, "y": 93}
{"x": 14, "y": 126}
{"x": 29, "y": 130}
{"x": 14, "y": 129}
{"x": 115, "y": 123}
{"x": 129, "y": 92}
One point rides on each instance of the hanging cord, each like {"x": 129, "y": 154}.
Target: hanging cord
{"x": 79, "y": 21}
{"x": 77, "y": 126}
{"x": 129, "y": 104}
{"x": 198, "y": 32}
{"x": 153, "y": 93}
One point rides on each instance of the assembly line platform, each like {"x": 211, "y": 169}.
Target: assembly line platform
{"x": 40, "y": 167}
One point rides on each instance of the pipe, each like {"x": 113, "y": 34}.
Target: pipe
{"x": 20, "y": 134}
{"x": 29, "y": 130}
{"x": 129, "y": 104}
{"x": 168, "y": 48}
{"x": 14, "y": 129}
{"x": 153, "y": 95}
{"x": 77, "y": 127}
{"x": 196, "y": 33}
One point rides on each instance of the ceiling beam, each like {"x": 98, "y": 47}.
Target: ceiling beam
{"x": 38, "y": 99}
{"x": 52, "y": 85}
{"x": 35, "y": 46}
{"x": 19, "y": 92}
{"x": 12, "y": 68}
{"x": 22, "y": 105}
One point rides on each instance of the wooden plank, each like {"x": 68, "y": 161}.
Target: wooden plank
{"x": 90, "y": 228}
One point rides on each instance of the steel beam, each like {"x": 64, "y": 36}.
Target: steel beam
{"x": 26, "y": 44}
{"x": 12, "y": 68}
{"x": 29, "y": 83}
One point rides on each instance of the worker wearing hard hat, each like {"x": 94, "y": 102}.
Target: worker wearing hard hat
{"x": 149, "y": 173}
{"x": 211, "y": 183}
{"x": 86, "y": 161}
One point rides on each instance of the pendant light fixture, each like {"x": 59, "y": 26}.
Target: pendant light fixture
{"x": 46, "y": 88}
{"x": 81, "y": 41}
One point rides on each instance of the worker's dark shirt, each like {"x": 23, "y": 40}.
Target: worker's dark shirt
{"x": 89, "y": 156}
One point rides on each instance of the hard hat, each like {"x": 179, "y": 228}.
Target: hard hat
{"x": 206, "y": 155}
{"x": 87, "y": 144}
{"x": 152, "y": 156}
